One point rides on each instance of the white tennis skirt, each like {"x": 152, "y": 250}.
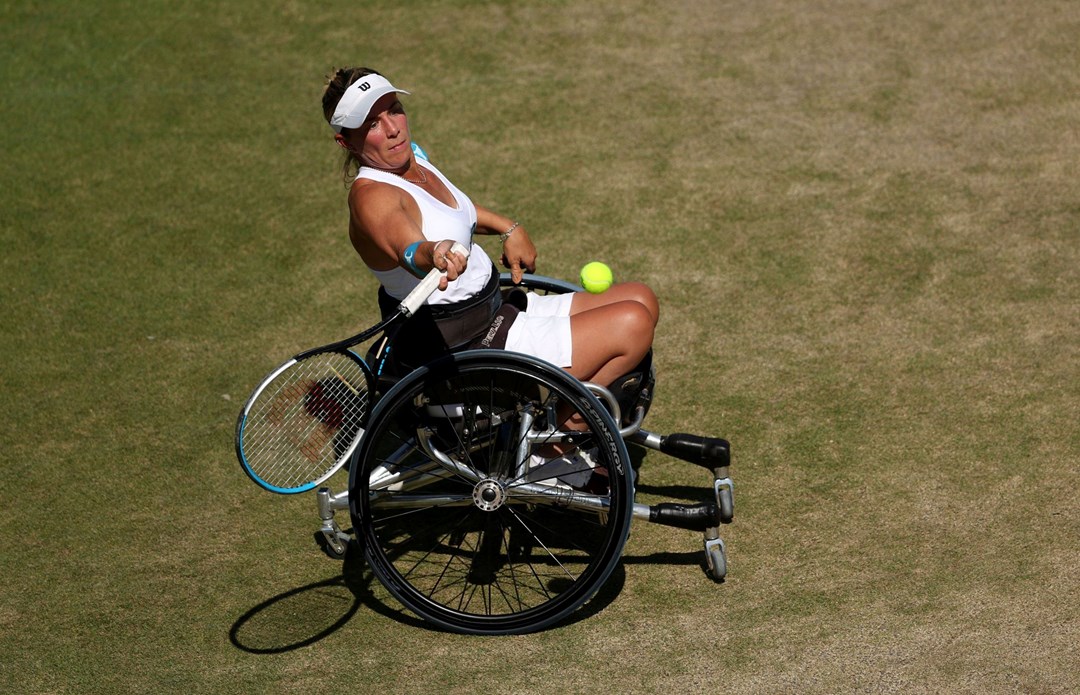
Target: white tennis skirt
{"x": 543, "y": 329}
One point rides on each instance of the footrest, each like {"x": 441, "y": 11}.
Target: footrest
{"x": 692, "y": 517}
{"x": 710, "y": 452}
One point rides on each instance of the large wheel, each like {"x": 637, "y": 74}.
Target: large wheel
{"x": 476, "y": 507}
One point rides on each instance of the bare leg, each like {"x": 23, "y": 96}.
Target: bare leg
{"x": 611, "y": 334}
{"x": 626, "y": 291}
{"x": 612, "y": 331}
{"x": 609, "y": 341}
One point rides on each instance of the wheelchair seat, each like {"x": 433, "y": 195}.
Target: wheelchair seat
{"x": 633, "y": 391}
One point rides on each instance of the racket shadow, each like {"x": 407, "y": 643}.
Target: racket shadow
{"x": 295, "y": 618}
{"x": 305, "y": 615}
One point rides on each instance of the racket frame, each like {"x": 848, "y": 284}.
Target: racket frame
{"x": 270, "y": 379}
{"x": 409, "y": 306}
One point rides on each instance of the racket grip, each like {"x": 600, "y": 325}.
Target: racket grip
{"x": 429, "y": 284}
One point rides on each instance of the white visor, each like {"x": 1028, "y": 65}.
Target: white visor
{"x": 358, "y": 99}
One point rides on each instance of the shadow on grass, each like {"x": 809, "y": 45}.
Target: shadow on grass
{"x": 692, "y": 494}
{"x": 690, "y": 558}
{"x": 296, "y": 618}
{"x": 673, "y": 493}
{"x": 686, "y": 493}
{"x": 302, "y": 616}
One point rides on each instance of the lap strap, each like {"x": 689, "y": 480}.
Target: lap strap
{"x": 439, "y": 328}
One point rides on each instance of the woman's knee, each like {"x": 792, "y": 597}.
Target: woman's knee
{"x": 610, "y": 340}
{"x": 643, "y": 295}
{"x": 623, "y": 328}
{"x": 635, "y": 326}
{"x": 635, "y": 292}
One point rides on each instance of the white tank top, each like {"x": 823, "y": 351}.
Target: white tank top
{"x": 438, "y": 221}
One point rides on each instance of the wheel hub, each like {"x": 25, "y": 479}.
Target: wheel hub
{"x": 489, "y": 495}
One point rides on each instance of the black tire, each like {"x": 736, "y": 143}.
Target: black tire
{"x": 484, "y": 549}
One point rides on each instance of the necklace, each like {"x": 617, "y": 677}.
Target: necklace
{"x": 423, "y": 177}
{"x": 423, "y": 174}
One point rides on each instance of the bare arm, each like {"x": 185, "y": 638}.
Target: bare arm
{"x": 518, "y": 253}
{"x": 384, "y": 222}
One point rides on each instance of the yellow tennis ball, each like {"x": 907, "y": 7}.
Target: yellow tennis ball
{"x": 596, "y": 277}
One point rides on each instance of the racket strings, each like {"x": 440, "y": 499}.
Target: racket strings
{"x": 306, "y": 420}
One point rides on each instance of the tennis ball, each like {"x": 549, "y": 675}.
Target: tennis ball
{"x": 596, "y": 277}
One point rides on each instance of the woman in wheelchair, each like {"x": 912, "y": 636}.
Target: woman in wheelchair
{"x": 404, "y": 216}
{"x": 491, "y": 491}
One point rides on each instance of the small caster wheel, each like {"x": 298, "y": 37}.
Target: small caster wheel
{"x": 716, "y": 560}
{"x": 332, "y": 543}
{"x": 725, "y": 499}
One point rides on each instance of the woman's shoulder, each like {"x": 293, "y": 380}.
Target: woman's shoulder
{"x": 375, "y": 204}
{"x": 372, "y": 191}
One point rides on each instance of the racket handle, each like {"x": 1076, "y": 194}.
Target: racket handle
{"x": 429, "y": 284}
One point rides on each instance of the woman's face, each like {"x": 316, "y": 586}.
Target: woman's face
{"x": 382, "y": 141}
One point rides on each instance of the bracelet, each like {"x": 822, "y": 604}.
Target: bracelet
{"x": 410, "y": 258}
{"x": 506, "y": 235}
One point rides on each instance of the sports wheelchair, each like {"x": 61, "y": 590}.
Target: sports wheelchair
{"x": 481, "y": 512}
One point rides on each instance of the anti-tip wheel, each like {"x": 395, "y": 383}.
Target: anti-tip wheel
{"x": 716, "y": 560}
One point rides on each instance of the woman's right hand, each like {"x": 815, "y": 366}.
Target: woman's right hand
{"x": 451, "y": 263}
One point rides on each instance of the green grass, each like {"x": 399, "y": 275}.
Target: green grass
{"x": 861, "y": 219}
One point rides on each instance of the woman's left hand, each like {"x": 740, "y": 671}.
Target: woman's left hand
{"x": 519, "y": 254}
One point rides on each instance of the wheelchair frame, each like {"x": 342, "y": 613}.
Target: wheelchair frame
{"x": 459, "y": 528}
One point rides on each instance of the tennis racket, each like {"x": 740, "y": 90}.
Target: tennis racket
{"x": 305, "y": 419}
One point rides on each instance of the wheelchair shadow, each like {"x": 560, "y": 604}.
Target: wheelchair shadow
{"x": 358, "y": 578}
{"x": 678, "y": 493}
{"x": 303, "y": 616}
{"x": 691, "y": 494}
